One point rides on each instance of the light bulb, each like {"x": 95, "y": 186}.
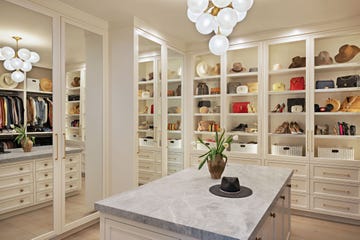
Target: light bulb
{"x": 7, "y": 52}
{"x": 221, "y": 3}
{"x": 225, "y": 32}
{"x": 16, "y": 63}
{"x": 24, "y": 54}
{"x": 34, "y": 57}
{"x": 26, "y": 67}
{"x": 242, "y": 5}
{"x": 241, "y": 16}
{"x": 8, "y": 66}
{"x": 192, "y": 16}
{"x": 197, "y": 6}
{"x": 17, "y": 76}
{"x": 2, "y": 58}
{"x": 227, "y": 18}
{"x": 218, "y": 44}
{"x": 205, "y": 23}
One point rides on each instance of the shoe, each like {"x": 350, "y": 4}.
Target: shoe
{"x": 297, "y": 128}
{"x": 276, "y": 108}
{"x": 241, "y": 127}
{"x": 283, "y": 128}
{"x": 282, "y": 108}
{"x": 292, "y": 128}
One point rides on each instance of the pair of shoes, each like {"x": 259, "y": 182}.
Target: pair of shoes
{"x": 241, "y": 127}
{"x": 279, "y": 108}
{"x": 295, "y": 128}
{"x": 283, "y": 128}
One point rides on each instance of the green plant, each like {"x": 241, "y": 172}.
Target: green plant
{"x": 22, "y": 136}
{"x": 218, "y": 149}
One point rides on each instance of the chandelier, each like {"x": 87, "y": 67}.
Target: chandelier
{"x": 218, "y": 16}
{"x": 19, "y": 61}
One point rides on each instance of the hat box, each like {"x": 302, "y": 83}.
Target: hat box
{"x": 33, "y": 84}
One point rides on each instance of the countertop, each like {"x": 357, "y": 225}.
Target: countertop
{"x": 17, "y": 154}
{"x": 182, "y": 202}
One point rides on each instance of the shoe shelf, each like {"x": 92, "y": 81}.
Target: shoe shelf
{"x": 207, "y": 96}
{"x": 288, "y": 71}
{"x": 297, "y": 135}
{"x": 287, "y": 114}
{"x": 204, "y": 133}
{"x": 239, "y": 133}
{"x": 287, "y": 92}
{"x": 174, "y": 97}
{"x": 211, "y": 78}
{"x": 242, "y": 74}
{"x": 175, "y": 80}
{"x": 339, "y": 137}
{"x": 242, "y": 114}
{"x": 337, "y": 114}
{"x": 242, "y": 94}
{"x": 207, "y": 114}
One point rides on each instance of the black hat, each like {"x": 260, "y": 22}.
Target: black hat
{"x": 230, "y": 188}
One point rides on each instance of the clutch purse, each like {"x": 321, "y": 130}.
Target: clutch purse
{"x": 252, "y": 86}
{"x": 278, "y": 87}
{"x": 242, "y": 89}
{"x": 348, "y": 81}
{"x": 295, "y": 102}
{"x": 324, "y": 84}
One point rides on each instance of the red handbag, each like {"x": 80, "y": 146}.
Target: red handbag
{"x": 240, "y": 107}
{"x": 297, "y": 83}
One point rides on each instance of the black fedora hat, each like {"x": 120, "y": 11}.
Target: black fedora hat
{"x": 230, "y": 188}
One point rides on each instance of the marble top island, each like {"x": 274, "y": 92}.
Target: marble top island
{"x": 181, "y": 203}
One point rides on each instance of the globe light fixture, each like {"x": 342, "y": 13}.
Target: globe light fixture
{"x": 218, "y": 16}
{"x": 18, "y": 62}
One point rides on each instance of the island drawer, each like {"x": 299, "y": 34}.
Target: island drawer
{"x": 72, "y": 186}
{"x": 145, "y": 177}
{"x": 300, "y": 170}
{"x": 299, "y": 201}
{"x": 44, "y": 175}
{"x": 299, "y": 185}
{"x": 44, "y": 185}
{"x": 72, "y": 158}
{"x": 73, "y": 167}
{"x": 336, "y": 173}
{"x": 44, "y": 196}
{"x": 333, "y": 206}
{"x": 175, "y": 158}
{"x": 174, "y": 167}
{"x": 15, "y": 169}
{"x": 7, "y": 193}
{"x": 16, "y": 203}
{"x": 43, "y": 164}
{"x": 335, "y": 189}
{"x": 16, "y": 180}
{"x": 146, "y": 155}
{"x": 71, "y": 176}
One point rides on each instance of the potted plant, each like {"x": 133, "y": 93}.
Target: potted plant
{"x": 215, "y": 158}
{"x": 23, "y": 139}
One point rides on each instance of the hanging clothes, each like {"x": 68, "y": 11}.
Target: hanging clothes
{"x": 11, "y": 112}
{"x": 39, "y": 116}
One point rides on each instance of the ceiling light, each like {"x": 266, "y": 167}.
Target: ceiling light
{"x": 19, "y": 61}
{"x": 218, "y": 16}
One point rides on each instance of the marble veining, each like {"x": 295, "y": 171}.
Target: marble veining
{"x": 17, "y": 154}
{"x": 182, "y": 202}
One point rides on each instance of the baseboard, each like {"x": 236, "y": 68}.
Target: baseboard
{"x": 75, "y": 230}
{"x": 325, "y": 217}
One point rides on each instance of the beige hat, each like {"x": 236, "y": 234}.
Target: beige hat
{"x": 237, "y": 67}
{"x": 323, "y": 58}
{"x": 46, "y": 85}
{"x": 346, "y": 53}
{"x": 7, "y": 82}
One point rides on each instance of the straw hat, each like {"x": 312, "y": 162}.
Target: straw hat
{"x": 346, "y": 53}
{"x": 7, "y": 82}
{"x": 46, "y": 85}
{"x": 237, "y": 67}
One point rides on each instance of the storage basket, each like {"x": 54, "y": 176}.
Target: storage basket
{"x": 287, "y": 150}
{"x": 244, "y": 147}
{"x": 148, "y": 142}
{"x": 336, "y": 153}
{"x": 33, "y": 84}
{"x": 200, "y": 146}
{"x": 174, "y": 143}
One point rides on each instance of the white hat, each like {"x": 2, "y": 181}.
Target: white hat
{"x": 7, "y": 82}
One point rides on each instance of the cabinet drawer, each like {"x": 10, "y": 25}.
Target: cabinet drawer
{"x": 300, "y": 170}
{"x": 72, "y": 176}
{"x": 335, "y": 206}
{"x": 336, "y": 189}
{"x": 16, "y": 180}
{"x": 175, "y": 167}
{"x": 330, "y": 172}
{"x": 44, "y": 185}
{"x": 146, "y": 155}
{"x": 145, "y": 177}
{"x": 74, "y": 167}
{"x": 16, "y": 203}
{"x": 44, "y": 196}
{"x": 7, "y": 193}
{"x": 72, "y": 186}
{"x": 44, "y": 164}
{"x": 300, "y": 201}
{"x": 299, "y": 185}
{"x": 72, "y": 159}
{"x": 15, "y": 169}
{"x": 150, "y": 166}
{"x": 44, "y": 175}
{"x": 175, "y": 158}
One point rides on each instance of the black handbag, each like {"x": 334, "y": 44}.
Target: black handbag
{"x": 296, "y": 101}
{"x": 232, "y": 86}
{"x": 202, "y": 89}
{"x": 348, "y": 81}
{"x": 324, "y": 84}
{"x": 204, "y": 104}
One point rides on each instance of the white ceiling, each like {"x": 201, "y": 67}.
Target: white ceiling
{"x": 169, "y": 16}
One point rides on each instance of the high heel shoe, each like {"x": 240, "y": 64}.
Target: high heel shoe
{"x": 297, "y": 128}
{"x": 276, "y": 108}
{"x": 283, "y": 128}
{"x": 282, "y": 107}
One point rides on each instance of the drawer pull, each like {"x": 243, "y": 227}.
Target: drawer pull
{"x": 21, "y": 200}
{"x": 289, "y": 185}
{"x": 45, "y": 174}
{"x": 21, "y": 179}
{"x": 70, "y": 177}
{"x": 336, "y": 174}
{"x": 258, "y": 238}
{"x": 46, "y": 195}
{"x": 46, "y": 185}
{"x": 71, "y": 186}
{"x": 273, "y": 215}
{"x": 71, "y": 169}
{"x": 20, "y": 169}
{"x": 70, "y": 159}
{"x": 21, "y": 190}
{"x": 282, "y": 197}
{"x": 45, "y": 164}
{"x": 336, "y": 190}
{"x": 337, "y": 207}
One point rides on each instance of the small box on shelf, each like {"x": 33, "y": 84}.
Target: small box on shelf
{"x": 244, "y": 147}
{"x": 288, "y": 150}
{"x": 148, "y": 142}
{"x": 336, "y": 153}
{"x": 174, "y": 143}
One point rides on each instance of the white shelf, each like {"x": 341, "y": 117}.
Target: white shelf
{"x": 145, "y": 130}
{"x": 215, "y": 77}
{"x": 146, "y": 115}
{"x": 8, "y": 133}
{"x": 146, "y": 82}
{"x": 174, "y": 114}
{"x": 287, "y": 114}
{"x": 338, "y": 137}
{"x": 39, "y": 92}
{"x": 39, "y": 133}
{"x": 337, "y": 66}
{"x": 77, "y": 101}
{"x": 239, "y": 133}
{"x": 287, "y": 135}
{"x": 176, "y": 80}
{"x": 333, "y": 90}
{"x": 204, "y": 132}
{"x": 242, "y": 114}
{"x": 145, "y": 99}
{"x": 207, "y": 96}
{"x": 241, "y": 94}
{"x": 73, "y": 89}
{"x": 74, "y": 128}
{"x": 207, "y": 114}
{"x": 12, "y": 89}
{"x": 288, "y": 71}
{"x": 174, "y": 131}
{"x": 337, "y": 113}
{"x": 72, "y": 115}
{"x": 287, "y": 92}
{"x": 174, "y": 97}
{"x": 242, "y": 74}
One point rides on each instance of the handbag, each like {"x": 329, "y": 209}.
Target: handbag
{"x": 295, "y": 101}
{"x": 202, "y": 89}
{"x": 178, "y": 90}
{"x": 351, "y": 104}
{"x": 204, "y": 104}
{"x": 232, "y": 86}
{"x": 278, "y": 87}
{"x": 324, "y": 84}
{"x": 348, "y": 81}
{"x": 253, "y": 86}
{"x": 297, "y": 83}
{"x": 240, "y": 107}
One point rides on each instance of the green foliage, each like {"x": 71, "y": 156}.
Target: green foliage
{"x": 221, "y": 144}
{"x": 22, "y": 135}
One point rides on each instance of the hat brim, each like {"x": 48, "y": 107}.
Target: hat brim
{"x": 202, "y": 69}
{"x": 3, "y": 84}
{"x": 238, "y": 70}
{"x": 46, "y": 85}
{"x": 244, "y": 192}
{"x": 343, "y": 58}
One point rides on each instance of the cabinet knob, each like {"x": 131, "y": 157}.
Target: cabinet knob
{"x": 46, "y": 195}
{"x": 273, "y": 215}
{"x": 21, "y": 179}
{"x": 288, "y": 185}
{"x": 70, "y": 177}
{"x": 71, "y": 169}
{"x": 21, "y": 200}
{"x": 21, "y": 190}
{"x": 45, "y": 164}
{"x": 70, "y": 159}
{"x": 45, "y": 174}
{"x": 21, "y": 169}
{"x": 258, "y": 238}
{"x": 46, "y": 185}
{"x": 282, "y": 197}
{"x": 71, "y": 186}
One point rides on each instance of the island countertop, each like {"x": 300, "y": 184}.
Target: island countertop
{"x": 183, "y": 204}
{"x": 17, "y": 154}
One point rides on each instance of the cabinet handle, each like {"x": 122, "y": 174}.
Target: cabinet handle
{"x": 21, "y": 190}
{"x": 46, "y": 185}
{"x": 334, "y": 206}
{"x": 336, "y": 190}
{"x": 64, "y": 147}
{"x": 21, "y": 200}
{"x": 71, "y": 169}
{"x": 45, "y": 174}
{"x": 273, "y": 215}
{"x": 258, "y": 238}
{"x": 57, "y": 146}
{"x": 46, "y": 195}
{"x": 20, "y": 169}
{"x": 45, "y": 164}
{"x": 21, "y": 179}
{"x": 70, "y": 177}
{"x": 70, "y": 160}
{"x": 71, "y": 186}
{"x": 288, "y": 185}
{"x": 336, "y": 174}
{"x": 282, "y": 197}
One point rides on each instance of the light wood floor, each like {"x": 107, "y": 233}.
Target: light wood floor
{"x": 302, "y": 228}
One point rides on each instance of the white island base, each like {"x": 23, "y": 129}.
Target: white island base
{"x": 180, "y": 206}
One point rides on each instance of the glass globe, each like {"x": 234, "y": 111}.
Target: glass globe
{"x": 34, "y": 57}
{"x": 16, "y": 63}
{"x": 242, "y": 5}
{"x": 227, "y": 18}
{"x": 205, "y": 23}
{"x": 221, "y": 3}
{"x": 27, "y": 66}
{"x": 24, "y": 54}
{"x": 192, "y": 16}
{"x": 225, "y": 32}
{"x": 2, "y": 58}
{"x": 241, "y": 16}
{"x": 197, "y": 6}
{"x": 17, "y": 76}
{"x": 7, "y": 52}
{"x": 8, "y": 66}
{"x": 218, "y": 44}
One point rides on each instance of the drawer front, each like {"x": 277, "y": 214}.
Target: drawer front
{"x": 300, "y": 170}
{"x": 45, "y": 164}
{"x": 16, "y": 203}
{"x": 335, "y": 173}
{"x": 149, "y": 166}
{"x": 72, "y": 176}
{"x": 299, "y": 201}
{"x": 72, "y": 167}
{"x": 145, "y": 177}
{"x": 72, "y": 158}
{"x": 15, "y": 191}
{"x": 335, "y": 189}
{"x": 44, "y": 185}
{"x": 175, "y": 158}
{"x": 335, "y": 206}
{"x": 16, "y": 180}
{"x": 44, "y": 196}
{"x": 146, "y": 155}
{"x": 15, "y": 169}
{"x": 299, "y": 185}
{"x": 44, "y": 175}
{"x": 72, "y": 186}
{"x": 175, "y": 167}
